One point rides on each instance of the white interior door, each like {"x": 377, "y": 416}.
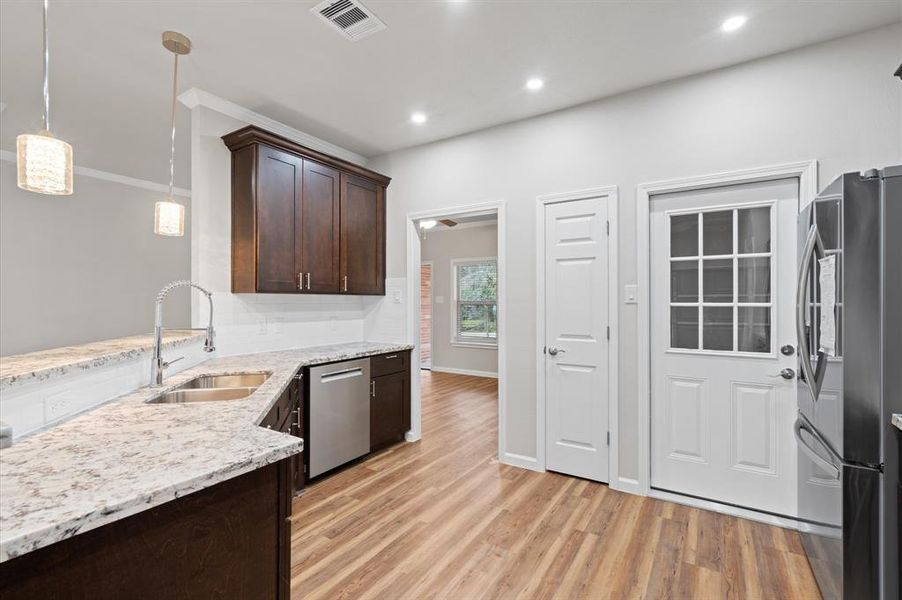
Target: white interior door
{"x": 722, "y": 284}
{"x": 576, "y": 320}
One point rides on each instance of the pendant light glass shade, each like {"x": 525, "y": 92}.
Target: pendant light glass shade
{"x": 44, "y": 164}
{"x": 169, "y": 218}
{"x": 169, "y": 215}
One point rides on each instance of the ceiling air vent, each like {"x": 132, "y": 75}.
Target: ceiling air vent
{"x": 350, "y": 18}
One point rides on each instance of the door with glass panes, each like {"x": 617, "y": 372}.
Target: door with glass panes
{"x": 723, "y": 263}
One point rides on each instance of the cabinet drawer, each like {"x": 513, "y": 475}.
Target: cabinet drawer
{"x": 393, "y": 362}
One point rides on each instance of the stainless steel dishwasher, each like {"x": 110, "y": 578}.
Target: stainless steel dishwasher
{"x": 339, "y": 414}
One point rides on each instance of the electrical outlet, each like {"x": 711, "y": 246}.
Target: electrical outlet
{"x": 396, "y": 296}
{"x": 262, "y": 326}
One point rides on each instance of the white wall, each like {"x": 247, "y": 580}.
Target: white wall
{"x": 250, "y": 322}
{"x": 441, "y": 247}
{"x": 85, "y": 267}
{"x": 835, "y": 102}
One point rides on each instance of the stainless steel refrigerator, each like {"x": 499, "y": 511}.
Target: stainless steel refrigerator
{"x": 850, "y": 383}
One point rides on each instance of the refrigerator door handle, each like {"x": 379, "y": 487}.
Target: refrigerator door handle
{"x": 814, "y": 245}
{"x": 802, "y": 424}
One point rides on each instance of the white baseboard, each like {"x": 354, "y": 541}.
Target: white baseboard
{"x": 519, "y": 460}
{"x": 726, "y": 509}
{"x": 625, "y": 484}
{"x": 464, "y": 372}
{"x": 411, "y": 437}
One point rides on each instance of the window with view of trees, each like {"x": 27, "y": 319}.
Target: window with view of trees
{"x": 475, "y": 301}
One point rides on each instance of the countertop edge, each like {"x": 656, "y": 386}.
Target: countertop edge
{"x": 93, "y": 362}
{"x": 41, "y": 538}
{"x": 897, "y": 421}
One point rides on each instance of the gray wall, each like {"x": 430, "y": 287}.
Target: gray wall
{"x": 84, "y": 267}
{"x": 441, "y": 247}
{"x": 836, "y": 102}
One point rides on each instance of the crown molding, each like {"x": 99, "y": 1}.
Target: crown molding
{"x": 195, "y": 97}
{"x": 6, "y": 155}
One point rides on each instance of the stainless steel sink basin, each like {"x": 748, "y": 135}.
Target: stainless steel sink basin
{"x": 238, "y": 380}
{"x": 203, "y": 395}
{"x": 214, "y": 388}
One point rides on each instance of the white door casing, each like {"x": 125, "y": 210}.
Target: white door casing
{"x": 576, "y": 318}
{"x": 721, "y": 299}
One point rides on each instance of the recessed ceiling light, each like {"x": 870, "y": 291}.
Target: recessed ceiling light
{"x": 535, "y": 84}
{"x": 733, "y": 23}
{"x": 418, "y": 118}
{"x": 428, "y": 223}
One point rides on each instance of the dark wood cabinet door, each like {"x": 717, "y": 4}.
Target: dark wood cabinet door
{"x": 362, "y": 236}
{"x": 389, "y": 409}
{"x": 279, "y": 178}
{"x": 318, "y": 228}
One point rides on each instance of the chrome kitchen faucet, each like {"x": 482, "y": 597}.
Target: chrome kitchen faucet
{"x": 157, "y": 364}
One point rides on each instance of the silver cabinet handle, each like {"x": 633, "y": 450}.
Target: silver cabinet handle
{"x": 308, "y": 281}
{"x": 345, "y": 283}
{"x": 391, "y": 357}
{"x": 554, "y": 351}
{"x": 373, "y": 388}
{"x": 813, "y": 378}
{"x": 300, "y": 282}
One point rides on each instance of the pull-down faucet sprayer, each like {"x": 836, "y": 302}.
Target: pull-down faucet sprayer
{"x": 157, "y": 364}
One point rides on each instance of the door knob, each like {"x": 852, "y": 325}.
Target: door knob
{"x": 554, "y": 351}
{"x": 786, "y": 373}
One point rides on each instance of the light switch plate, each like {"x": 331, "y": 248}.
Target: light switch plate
{"x": 396, "y": 297}
{"x": 631, "y": 294}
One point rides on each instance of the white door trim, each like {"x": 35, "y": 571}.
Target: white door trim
{"x": 804, "y": 171}
{"x": 610, "y": 194}
{"x": 497, "y": 207}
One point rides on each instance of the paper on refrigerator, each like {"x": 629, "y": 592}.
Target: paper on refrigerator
{"x": 827, "y": 281}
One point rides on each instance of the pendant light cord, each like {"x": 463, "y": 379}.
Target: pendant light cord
{"x": 175, "y": 77}
{"x": 46, "y": 73}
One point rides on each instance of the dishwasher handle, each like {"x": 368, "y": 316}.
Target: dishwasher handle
{"x": 338, "y": 375}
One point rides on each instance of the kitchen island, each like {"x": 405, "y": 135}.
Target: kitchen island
{"x": 184, "y": 498}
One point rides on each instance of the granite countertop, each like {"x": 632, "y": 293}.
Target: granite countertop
{"x": 897, "y": 420}
{"x": 128, "y": 456}
{"x": 48, "y": 364}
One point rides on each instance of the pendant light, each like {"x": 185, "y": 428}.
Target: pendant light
{"x": 169, "y": 215}
{"x": 43, "y": 162}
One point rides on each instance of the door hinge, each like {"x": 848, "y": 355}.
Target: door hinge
{"x": 607, "y": 226}
{"x": 609, "y": 438}
{"x": 608, "y": 332}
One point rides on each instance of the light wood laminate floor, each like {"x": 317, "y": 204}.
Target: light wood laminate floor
{"x": 441, "y": 518}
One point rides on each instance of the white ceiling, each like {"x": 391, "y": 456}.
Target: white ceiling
{"x": 463, "y": 63}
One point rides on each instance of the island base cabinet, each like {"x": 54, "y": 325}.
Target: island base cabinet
{"x": 231, "y": 540}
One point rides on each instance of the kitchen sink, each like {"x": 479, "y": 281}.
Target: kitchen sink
{"x": 214, "y": 388}
{"x": 203, "y": 395}
{"x": 238, "y": 380}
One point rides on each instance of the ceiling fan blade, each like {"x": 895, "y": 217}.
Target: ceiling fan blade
{"x": 447, "y": 222}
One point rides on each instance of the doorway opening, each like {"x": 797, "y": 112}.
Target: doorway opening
{"x": 456, "y": 317}
{"x": 426, "y": 315}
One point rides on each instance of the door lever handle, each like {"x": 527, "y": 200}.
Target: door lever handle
{"x": 786, "y": 373}
{"x": 554, "y": 351}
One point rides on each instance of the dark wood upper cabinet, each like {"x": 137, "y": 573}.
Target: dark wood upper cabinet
{"x": 303, "y": 221}
{"x": 278, "y": 198}
{"x": 362, "y": 236}
{"x": 319, "y": 226}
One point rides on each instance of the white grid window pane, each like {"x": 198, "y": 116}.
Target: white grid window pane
{"x": 476, "y": 289}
